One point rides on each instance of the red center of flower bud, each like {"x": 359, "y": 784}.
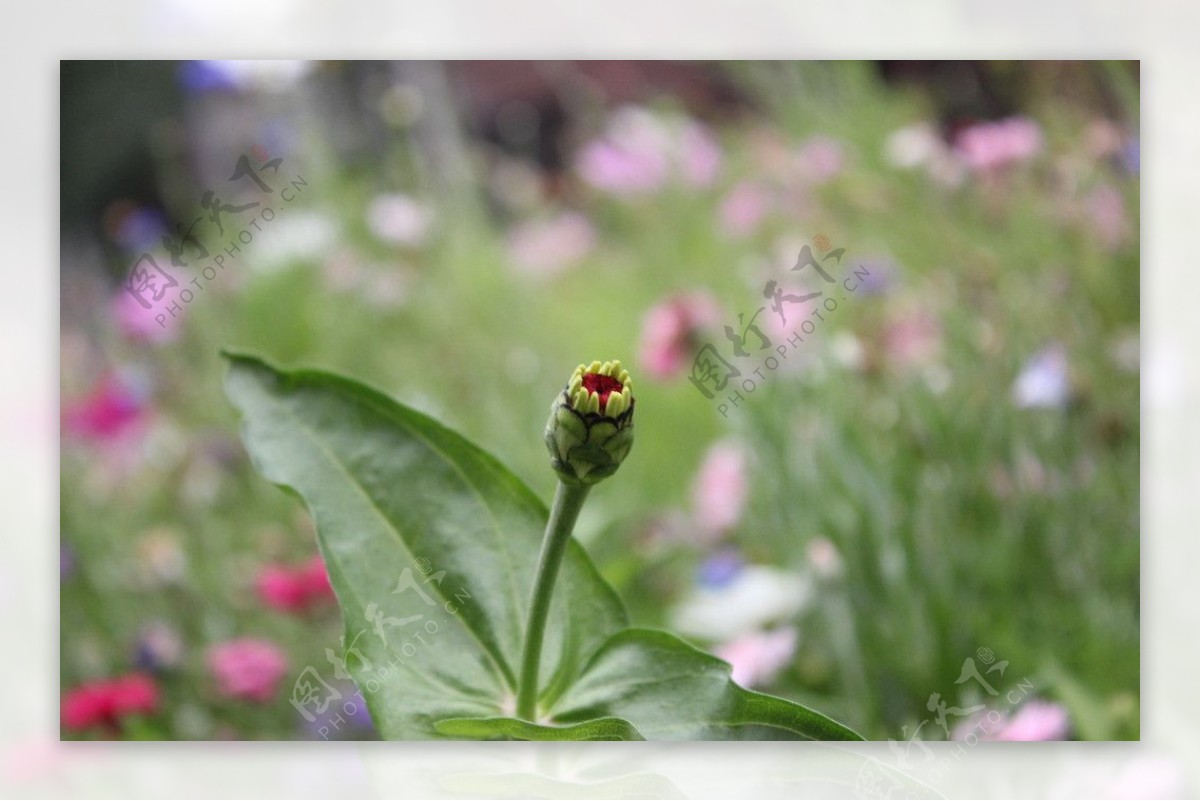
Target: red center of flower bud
{"x": 602, "y": 385}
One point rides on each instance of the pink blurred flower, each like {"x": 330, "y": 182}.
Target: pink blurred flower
{"x": 115, "y": 406}
{"x": 247, "y": 668}
{"x": 1105, "y": 210}
{"x": 824, "y": 557}
{"x": 294, "y": 589}
{"x": 758, "y": 657}
{"x": 669, "y": 332}
{"x": 104, "y": 703}
{"x": 1036, "y": 721}
{"x": 546, "y": 247}
{"x": 992, "y": 145}
{"x": 140, "y": 324}
{"x": 912, "y": 340}
{"x": 744, "y": 208}
{"x": 699, "y": 155}
{"x": 638, "y": 152}
{"x": 821, "y": 158}
{"x": 720, "y": 488}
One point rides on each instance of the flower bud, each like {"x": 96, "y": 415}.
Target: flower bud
{"x": 590, "y": 430}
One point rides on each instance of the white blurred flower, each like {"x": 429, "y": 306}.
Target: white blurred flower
{"x": 399, "y": 219}
{"x": 1044, "y": 380}
{"x": 752, "y": 599}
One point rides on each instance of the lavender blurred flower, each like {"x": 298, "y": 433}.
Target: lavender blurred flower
{"x": 720, "y": 489}
{"x": 547, "y": 247}
{"x": 1131, "y": 156}
{"x": 399, "y": 219}
{"x": 1044, "y": 381}
{"x": 990, "y": 146}
{"x": 758, "y": 657}
{"x": 243, "y": 75}
{"x": 159, "y": 647}
{"x": 670, "y": 330}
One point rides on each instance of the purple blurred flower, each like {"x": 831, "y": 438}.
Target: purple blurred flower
{"x": 720, "y": 568}
{"x": 744, "y": 208}
{"x": 989, "y": 146}
{"x": 546, "y": 247}
{"x": 670, "y": 330}
{"x": 758, "y": 657}
{"x": 1044, "y": 381}
{"x": 345, "y": 719}
{"x": 135, "y": 228}
{"x": 1131, "y": 156}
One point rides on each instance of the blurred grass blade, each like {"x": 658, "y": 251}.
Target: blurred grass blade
{"x": 516, "y": 729}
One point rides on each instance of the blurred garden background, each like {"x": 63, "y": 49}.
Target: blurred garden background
{"x": 923, "y": 520}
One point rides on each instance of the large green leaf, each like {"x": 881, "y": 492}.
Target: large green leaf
{"x": 431, "y": 545}
{"x": 669, "y": 690}
{"x": 414, "y": 520}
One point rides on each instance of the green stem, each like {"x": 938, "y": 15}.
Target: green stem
{"x": 568, "y": 500}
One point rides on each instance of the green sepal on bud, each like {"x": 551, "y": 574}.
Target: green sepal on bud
{"x": 590, "y": 430}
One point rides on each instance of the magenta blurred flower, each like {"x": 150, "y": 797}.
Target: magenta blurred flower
{"x": 758, "y": 657}
{"x": 720, "y": 489}
{"x": 247, "y": 668}
{"x": 989, "y": 146}
{"x": 294, "y": 589}
{"x": 140, "y": 324}
{"x": 546, "y": 247}
{"x": 699, "y": 155}
{"x": 115, "y": 406}
{"x": 399, "y": 219}
{"x": 820, "y": 158}
{"x": 1044, "y": 381}
{"x": 744, "y": 208}
{"x": 104, "y": 703}
{"x": 670, "y": 330}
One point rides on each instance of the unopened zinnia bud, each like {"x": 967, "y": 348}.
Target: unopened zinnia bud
{"x": 590, "y": 430}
